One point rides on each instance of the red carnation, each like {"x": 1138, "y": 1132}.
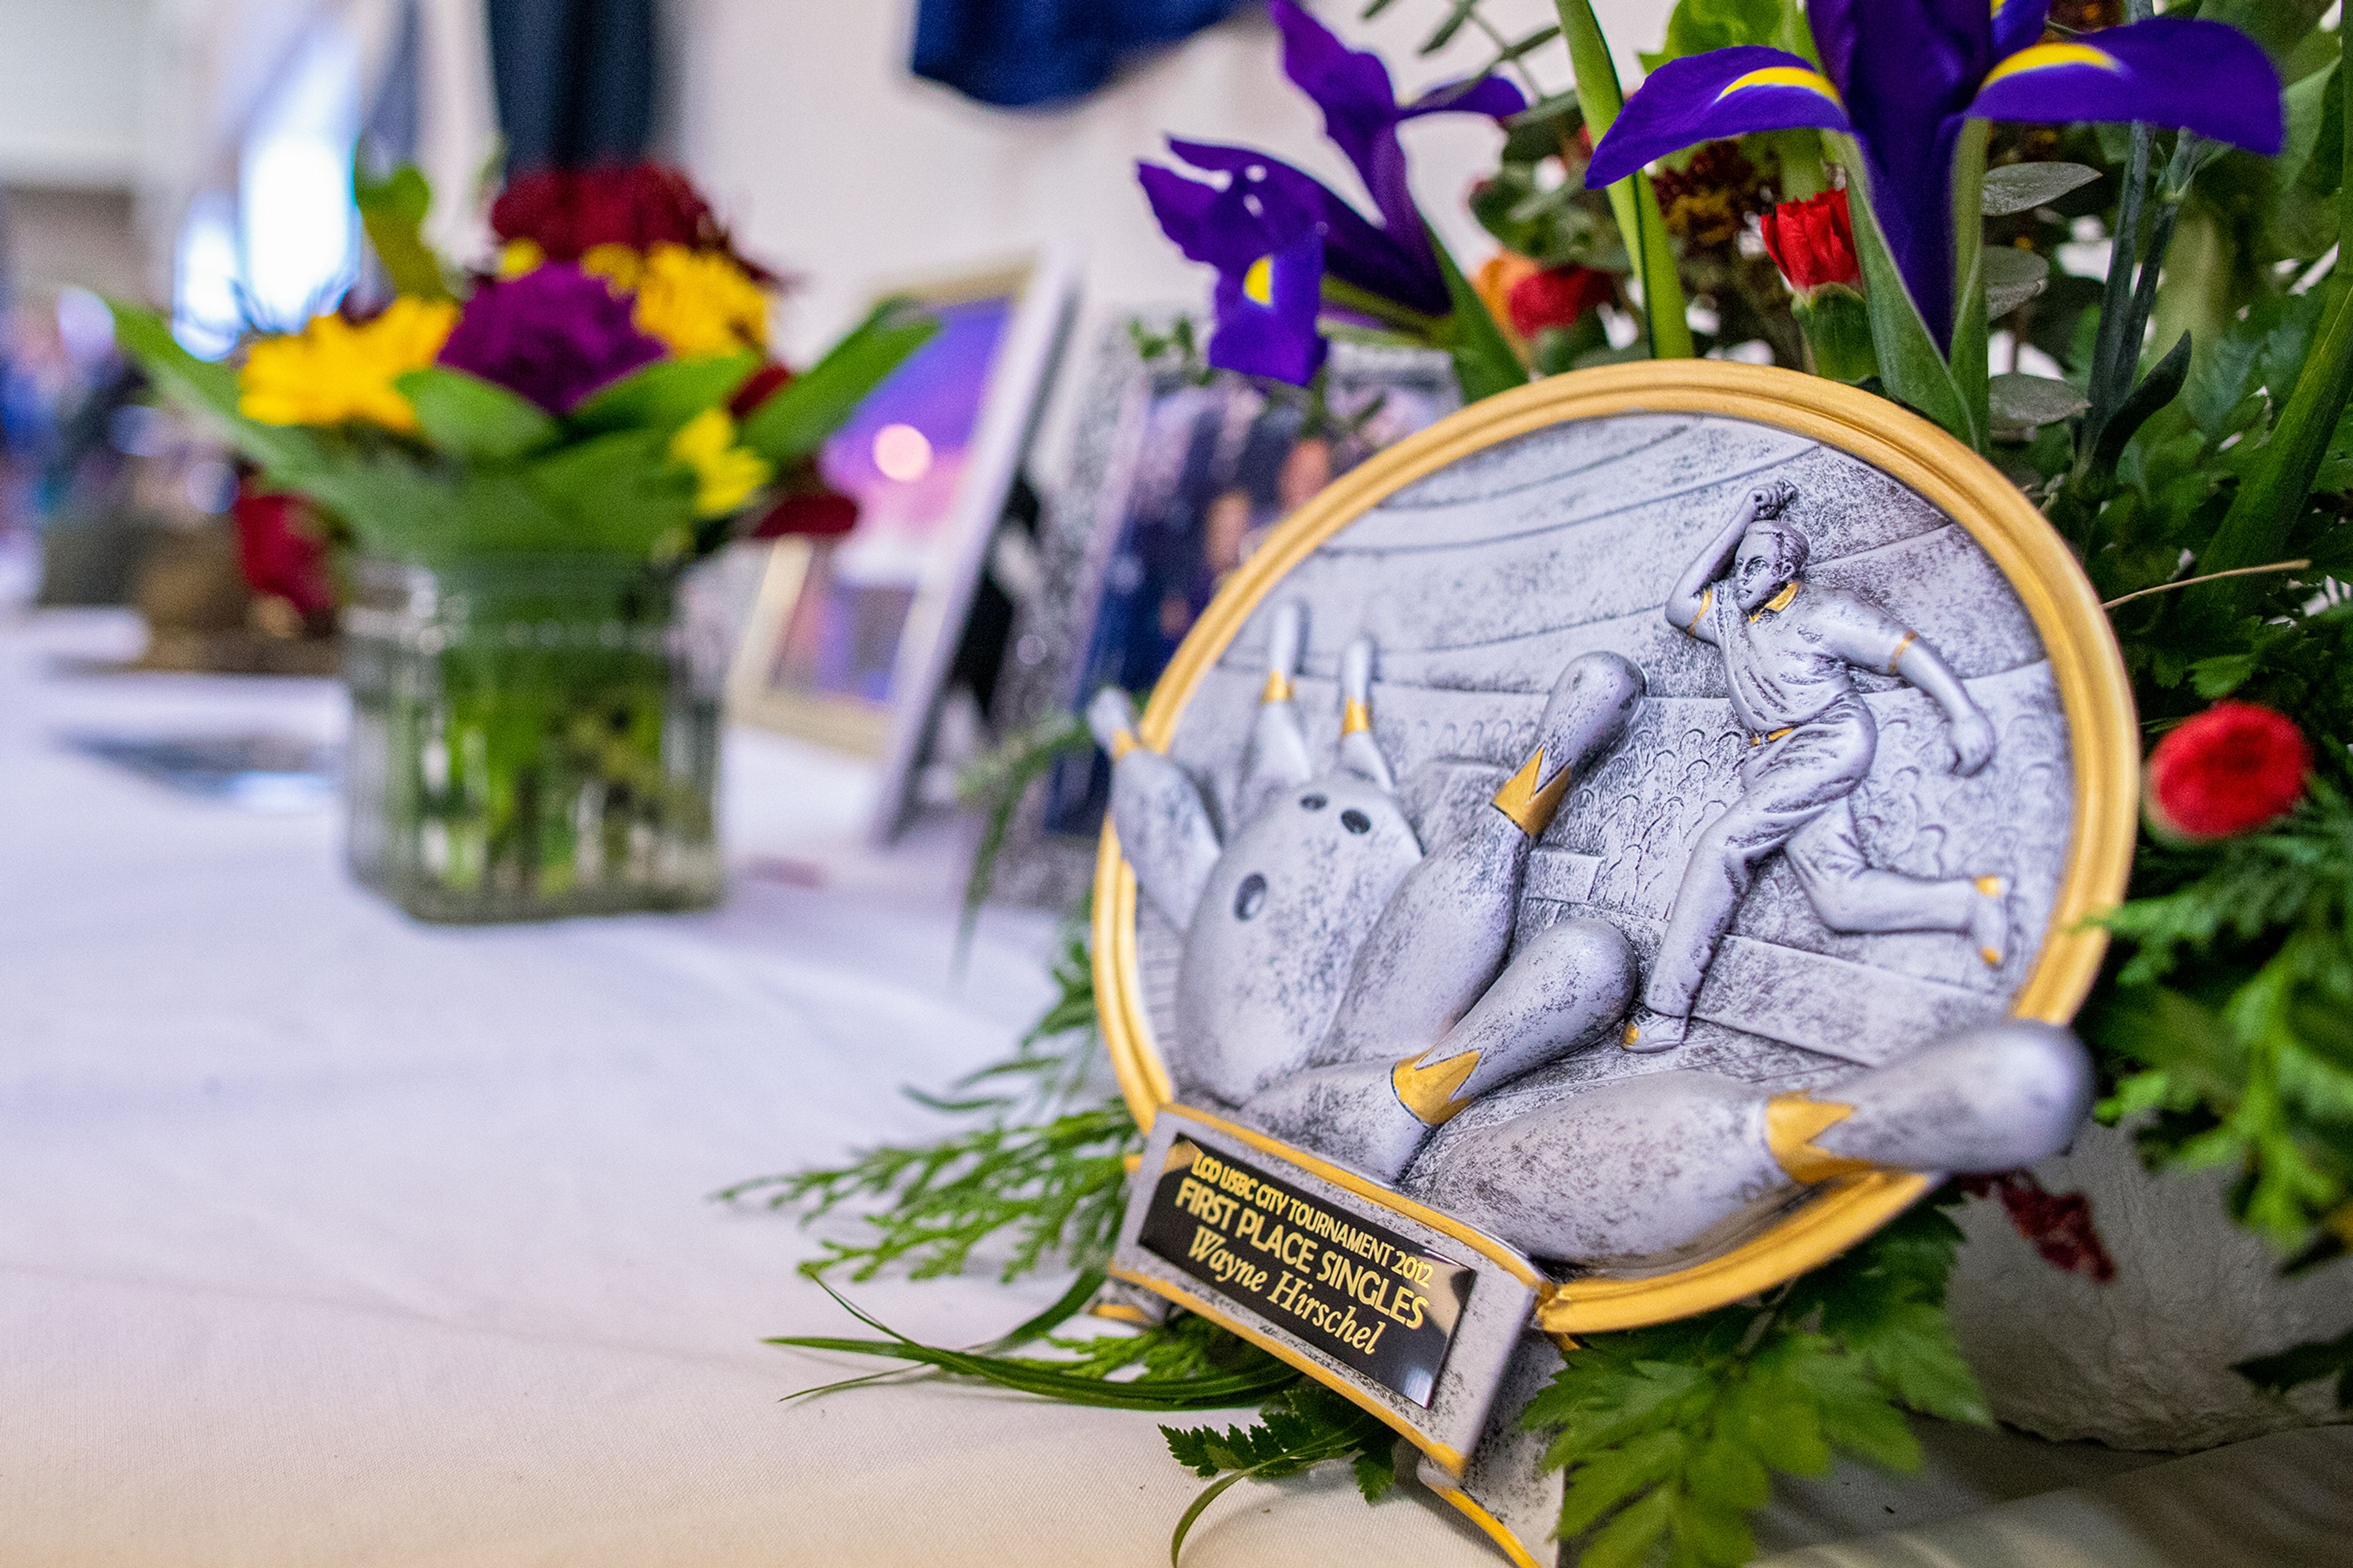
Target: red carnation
{"x": 1812, "y": 242}
{"x": 566, "y": 212}
{"x": 279, "y": 552}
{"x": 1555, "y": 297}
{"x": 2233, "y": 767}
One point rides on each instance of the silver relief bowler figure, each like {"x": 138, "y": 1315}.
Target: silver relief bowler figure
{"x": 1790, "y": 649}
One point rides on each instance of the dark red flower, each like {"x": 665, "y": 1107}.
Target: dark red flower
{"x": 280, "y": 553}
{"x": 758, "y": 387}
{"x": 567, "y": 211}
{"x": 2058, "y": 1223}
{"x": 812, "y": 514}
{"x": 1555, "y": 297}
{"x": 1812, "y": 242}
{"x": 2233, "y": 767}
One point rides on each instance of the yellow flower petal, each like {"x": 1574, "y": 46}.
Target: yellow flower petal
{"x": 333, "y": 372}
{"x": 520, "y": 256}
{"x": 725, "y": 475}
{"x": 617, "y": 264}
{"x": 699, "y": 302}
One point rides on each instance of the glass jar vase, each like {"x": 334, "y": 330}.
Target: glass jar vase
{"x": 532, "y": 737}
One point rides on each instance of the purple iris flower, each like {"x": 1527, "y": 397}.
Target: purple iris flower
{"x": 1273, "y": 232}
{"x": 555, "y": 335}
{"x": 1900, "y": 76}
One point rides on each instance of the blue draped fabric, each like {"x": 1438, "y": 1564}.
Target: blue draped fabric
{"x": 575, "y": 80}
{"x": 1017, "y": 53}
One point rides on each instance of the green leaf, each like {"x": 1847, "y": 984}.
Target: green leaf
{"x": 2022, "y": 187}
{"x": 1612, "y": 1475}
{"x": 665, "y": 395}
{"x": 2021, "y": 403}
{"x": 1910, "y": 364}
{"x": 1483, "y": 363}
{"x": 473, "y": 419}
{"x": 2299, "y": 1364}
{"x": 1626, "y": 1540}
{"x": 1695, "y": 26}
{"x": 2151, "y": 393}
{"x": 619, "y": 492}
{"x": 209, "y": 390}
{"x": 392, "y": 212}
{"x": 792, "y": 425}
{"x": 1459, "y": 14}
{"x": 1632, "y": 200}
{"x": 1376, "y": 1471}
{"x": 2268, "y": 502}
{"x": 2012, "y": 277}
{"x": 1711, "y": 1534}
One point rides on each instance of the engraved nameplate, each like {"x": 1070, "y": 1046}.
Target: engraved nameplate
{"x": 1408, "y": 1313}
{"x": 1357, "y": 1291}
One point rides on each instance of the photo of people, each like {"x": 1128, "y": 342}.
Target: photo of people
{"x": 1217, "y": 467}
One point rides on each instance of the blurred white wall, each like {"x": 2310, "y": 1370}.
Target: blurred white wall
{"x": 803, "y": 121}
{"x": 69, "y": 91}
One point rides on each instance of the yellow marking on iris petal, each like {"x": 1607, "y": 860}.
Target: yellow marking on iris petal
{"x": 1792, "y": 1123}
{"x": 1429, "y": 1092}
{"x": 1783, "y": 76}
{"x": 1531, "y": 808}
{"x": 1277, "y": 687}
{"x": 1258, "y": 283}
{"x": 1354, "y": 718}
{"x": 2047, "y": 56}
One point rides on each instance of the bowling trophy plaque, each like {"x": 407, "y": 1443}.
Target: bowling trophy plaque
{"x": 1598, "y": 860}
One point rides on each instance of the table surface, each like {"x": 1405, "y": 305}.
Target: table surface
{"x": 330, "y": 1238}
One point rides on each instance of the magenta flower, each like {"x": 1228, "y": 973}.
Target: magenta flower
{"x": 1274, "y": 233}
{"x": 554, "y": 335}
{"x": 1900, "y": 76}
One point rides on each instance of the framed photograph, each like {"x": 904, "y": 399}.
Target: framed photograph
{"x": 1600, "y": 860}
{"x": 850, "y": 638}
{"x": 1174, "y": 484}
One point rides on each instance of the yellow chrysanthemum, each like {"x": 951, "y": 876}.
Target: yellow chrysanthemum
{"x": 617, "y": 264}
{"x": 699, "y": 302}
{"x": 725, "y": 474}
{"x": 331, "y": 370}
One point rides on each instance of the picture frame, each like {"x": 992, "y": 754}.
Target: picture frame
{"x": 848, "y": 640}
{"x": 1120, "y": 469}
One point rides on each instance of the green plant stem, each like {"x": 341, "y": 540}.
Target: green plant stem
{"x": 1364, "y": 302}
{"x": 2113, "y": 359}
{"x": 1967, "y": 358}
{"x": 2256, "y": 528}
{"x": 1910, "y": 364}
{"x": 1800, "y": 155}
{"x": 1632, "y": 200}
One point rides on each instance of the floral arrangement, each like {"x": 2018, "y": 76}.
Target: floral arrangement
{"x": 605, "y": 388}
{"x": 1886, "y": 195}
{"x": 524, "y": 458}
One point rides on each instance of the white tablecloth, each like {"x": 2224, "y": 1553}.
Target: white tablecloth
{"x": 327, "y": 1238}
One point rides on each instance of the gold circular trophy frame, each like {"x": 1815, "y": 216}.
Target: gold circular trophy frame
{"x": 2085, "y": 664}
